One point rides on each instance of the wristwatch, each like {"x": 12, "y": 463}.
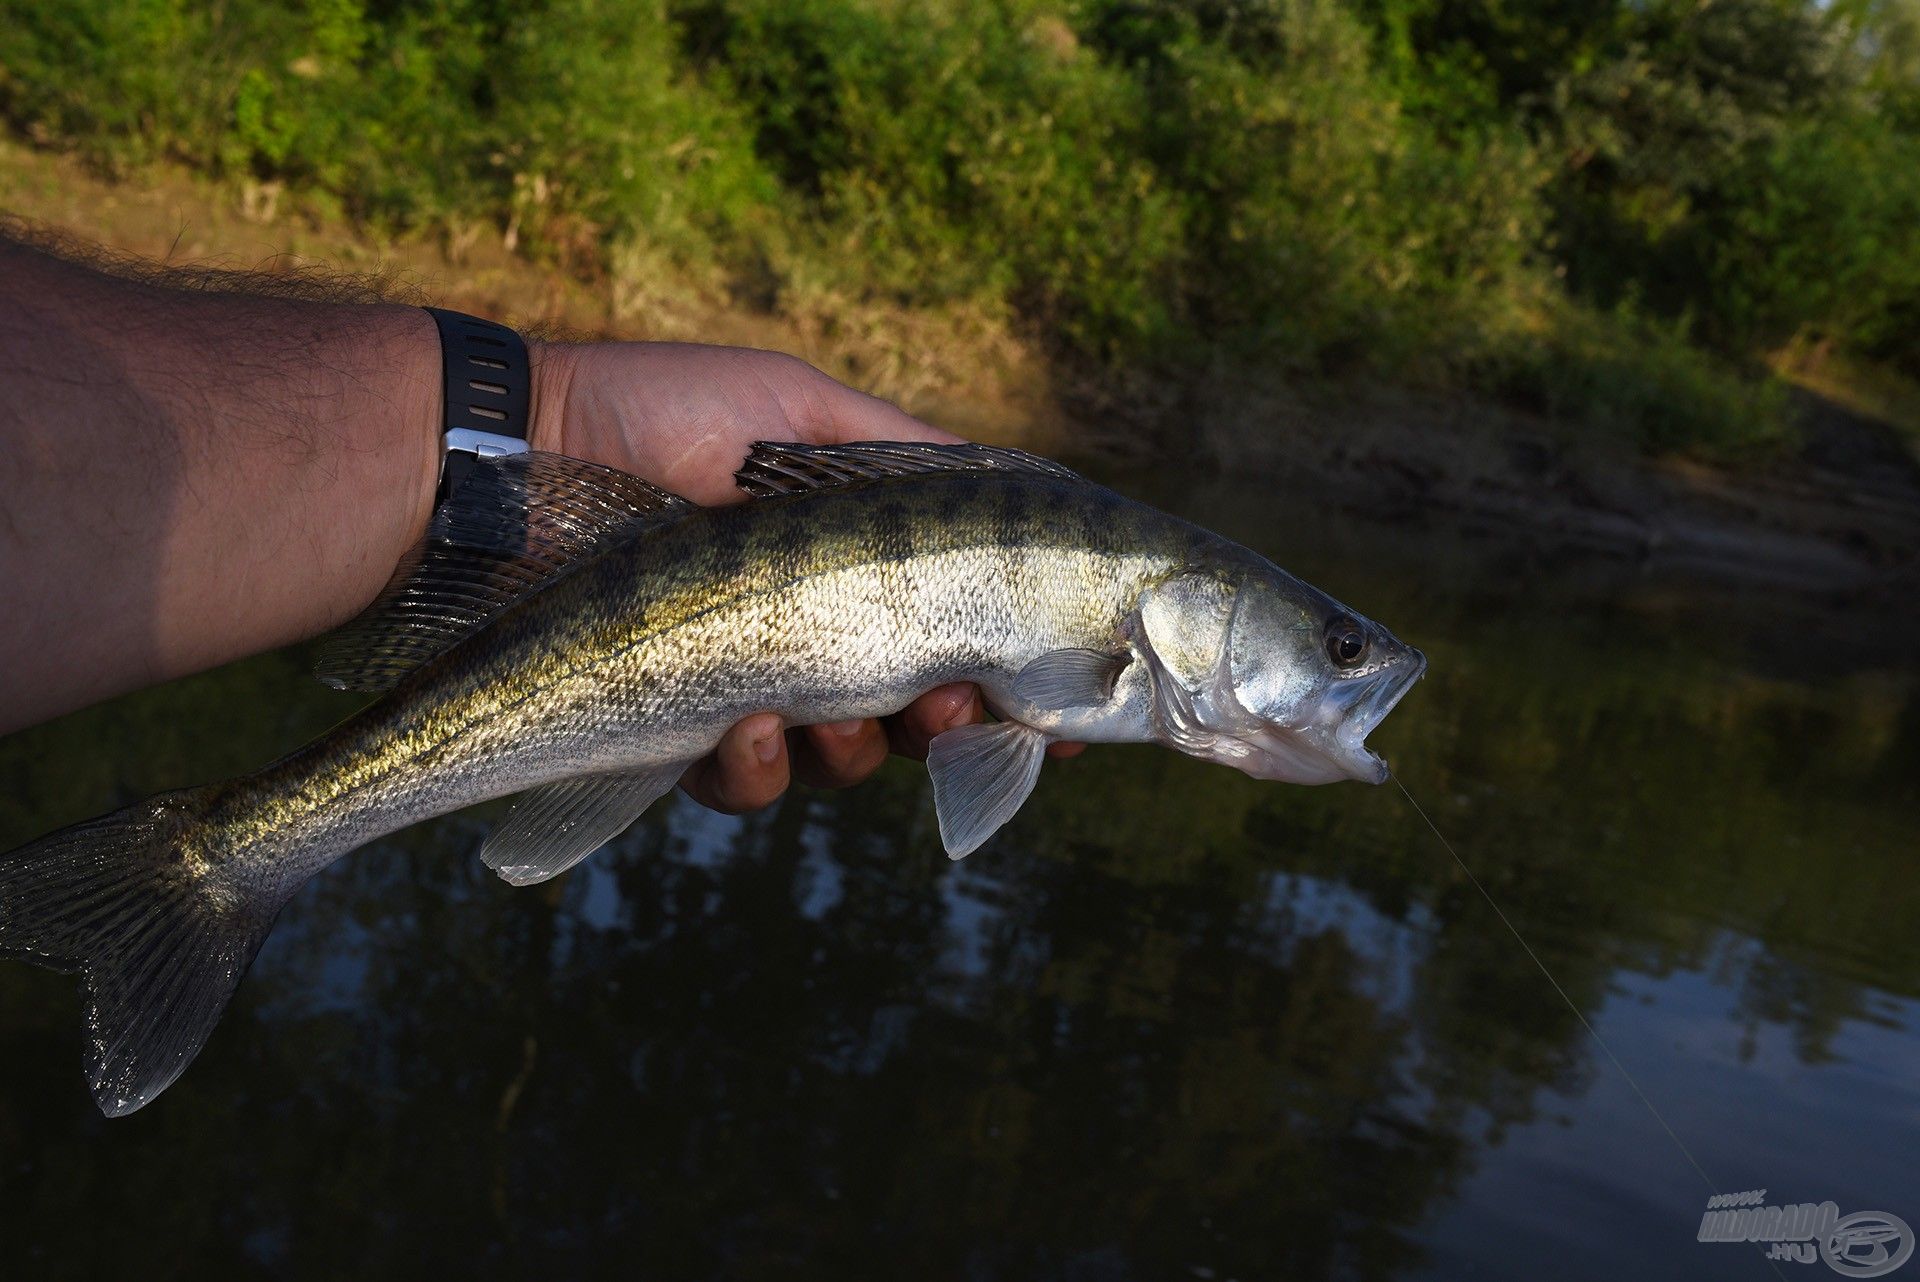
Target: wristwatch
{"x": 487, "y": 379}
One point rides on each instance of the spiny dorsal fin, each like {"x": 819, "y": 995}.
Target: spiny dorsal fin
{"x": 781, "y": 467}
{"x": 511, "y": 527}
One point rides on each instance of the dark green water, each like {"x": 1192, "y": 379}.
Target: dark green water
{"x": 1173, "y": 1023}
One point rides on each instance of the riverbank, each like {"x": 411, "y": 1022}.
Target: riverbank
{"x": 1838, "y": 511}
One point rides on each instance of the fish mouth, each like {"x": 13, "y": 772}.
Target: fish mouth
{"x": 1388, "y": 690}
{"x": 1333, "y": 746}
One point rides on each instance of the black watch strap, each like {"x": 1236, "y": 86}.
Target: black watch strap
{"x": 488, "y": 381}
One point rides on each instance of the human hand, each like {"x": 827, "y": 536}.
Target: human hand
{"x": 683, "y": 416}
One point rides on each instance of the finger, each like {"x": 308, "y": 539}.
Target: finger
{"x": 1065, "y": 748}
{"x": 747, "y": 771}
{"x": 935, "y": 712}
{"x": 858, "y": 416}
{"x": 835, "y": 413}
{"x": 837, "y": 755}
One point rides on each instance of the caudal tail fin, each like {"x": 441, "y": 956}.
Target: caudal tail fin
{"x": 159, "y": 932}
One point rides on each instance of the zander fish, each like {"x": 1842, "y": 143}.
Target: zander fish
{"x": 574, "y": 634}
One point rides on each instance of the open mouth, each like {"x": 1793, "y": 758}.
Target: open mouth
{"x": 1334, "y": 746}
{"x": 1372, "y": 707}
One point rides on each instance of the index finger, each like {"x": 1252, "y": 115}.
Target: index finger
{"x": 836, "y": 414}
{"x": 935, "y": 712}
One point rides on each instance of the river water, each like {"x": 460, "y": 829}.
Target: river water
{"x": 1172, "y": 1023}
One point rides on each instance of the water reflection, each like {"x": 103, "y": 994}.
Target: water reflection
{"x": 1174, "y": 1023}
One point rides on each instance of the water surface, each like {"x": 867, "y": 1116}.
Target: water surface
{"x": 1172, "y": 1023}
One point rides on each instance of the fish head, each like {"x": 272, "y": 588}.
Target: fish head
{"x": 1269, "y": 675}
{"x": 1318, "y": 677}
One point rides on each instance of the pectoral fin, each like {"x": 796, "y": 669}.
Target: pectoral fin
{"x": 551, "y": 829}
{"x": 1062, "y": 679}
{"x": 981, "y": 775}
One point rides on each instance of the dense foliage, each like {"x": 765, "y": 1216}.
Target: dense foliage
{"x": 1605, "y": 209}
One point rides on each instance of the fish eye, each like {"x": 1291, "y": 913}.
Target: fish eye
{"x": 1346, "y": 643}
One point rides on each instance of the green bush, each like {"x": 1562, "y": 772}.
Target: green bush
{"x": 579, "y": 120}
{"x": 1819, "y": 241}
{"x": 110, "y": 76}
{"x": 954, "y": 152}
{"x": 1604, "y": 209}
{"x": 1627, "y": 375}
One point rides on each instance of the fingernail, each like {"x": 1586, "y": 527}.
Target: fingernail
{"x": 767, "y": 749}
{"x": 845, "y": 729}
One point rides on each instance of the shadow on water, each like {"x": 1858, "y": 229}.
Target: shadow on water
{"x": 1173, "y": 1023}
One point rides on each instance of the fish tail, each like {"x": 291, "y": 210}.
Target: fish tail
{"x": 158, "y": 928}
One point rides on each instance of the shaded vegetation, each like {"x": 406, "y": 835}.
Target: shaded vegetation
{"x": 1607, "y": 211}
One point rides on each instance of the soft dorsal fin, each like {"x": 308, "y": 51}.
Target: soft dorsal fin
{"x": 781, "y": 467}
{"x": 514, "y": 524}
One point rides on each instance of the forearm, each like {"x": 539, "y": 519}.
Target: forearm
{"x": 188, "y": 477}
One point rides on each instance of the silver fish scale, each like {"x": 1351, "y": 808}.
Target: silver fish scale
{"x": 859, "y": 641}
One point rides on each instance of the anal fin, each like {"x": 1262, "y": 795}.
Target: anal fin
{"x": 551, "y": 829}
{"x": 982, "y": 774}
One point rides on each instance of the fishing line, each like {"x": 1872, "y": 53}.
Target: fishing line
{"x": 1592, "y": 1032}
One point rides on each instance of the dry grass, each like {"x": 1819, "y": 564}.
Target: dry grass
{"x": 962, "y": 368}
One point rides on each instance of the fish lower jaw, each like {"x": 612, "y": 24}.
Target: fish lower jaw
{"x": 1364, "y": 764}
{"x": 1309, "y": 755}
